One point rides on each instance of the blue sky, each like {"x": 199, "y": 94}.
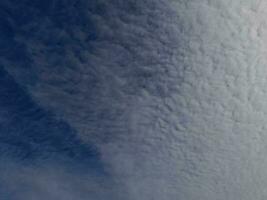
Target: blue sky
{"x": 133, "y": 99}
{"x": 42, "y": 157}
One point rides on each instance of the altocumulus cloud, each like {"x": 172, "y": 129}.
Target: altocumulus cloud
{"x": 129, "y": 99}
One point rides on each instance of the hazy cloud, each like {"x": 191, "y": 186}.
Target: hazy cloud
{"x": 171, "y": 93}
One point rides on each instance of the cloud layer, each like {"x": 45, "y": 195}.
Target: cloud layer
{"x": 171, "y": 94}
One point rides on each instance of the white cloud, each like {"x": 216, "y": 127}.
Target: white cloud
{"x": 173, "y": 93}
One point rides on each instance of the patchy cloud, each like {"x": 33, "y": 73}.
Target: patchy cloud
{"x": 170, "y": 93}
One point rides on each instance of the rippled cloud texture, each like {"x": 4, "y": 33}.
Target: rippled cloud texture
{"x": 133, "y": 99}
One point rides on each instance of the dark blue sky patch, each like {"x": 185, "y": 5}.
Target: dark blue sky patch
{"x": 30, "y": 134}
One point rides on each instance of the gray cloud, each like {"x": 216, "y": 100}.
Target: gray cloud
{"x": 171, "y": 92}
{"x": 52, "y": 181}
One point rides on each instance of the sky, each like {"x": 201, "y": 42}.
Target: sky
{"x": 133, "y": 99}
